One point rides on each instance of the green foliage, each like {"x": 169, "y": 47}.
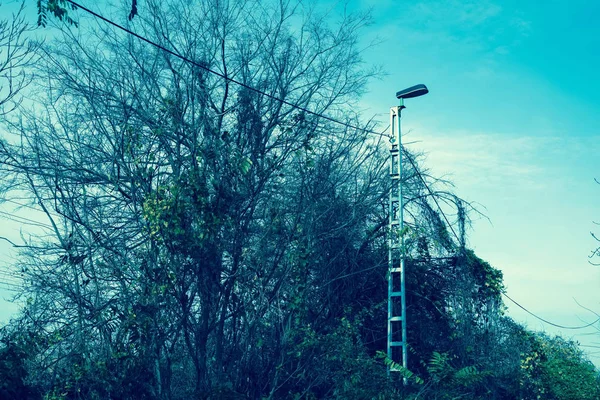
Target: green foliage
{"x": 13, "y": 372}
{"x": 60, "y": 10}
{"x": 245, "y": 165}
{"x": 335, "y": 365}
{"x": 161, "y": 213}
{"x": 394, "y": 367}
{"x": 450, "y": 379}
{"x": 57, "y": 8}
{"x": 555, "y": 368}
{"x": 237, "y": 248}
{"x": 488, "y": 279}
{"x": 468, "y": 376}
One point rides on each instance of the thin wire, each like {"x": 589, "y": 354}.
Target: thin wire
{"x": 21, "y": 205}
{"x": 23, "y": 220}
{"x": 7, "y": 281}
{"x": 548, "y": 322}
{"x": 217, "y": 73}
{"x": 456, "y": 236}
{"x": 9, "y": 286}
{"x": 173, "y": 53}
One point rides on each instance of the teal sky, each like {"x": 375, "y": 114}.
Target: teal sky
{"x": 512, "y": 118}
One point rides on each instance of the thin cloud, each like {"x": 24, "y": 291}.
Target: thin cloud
{"x": 484, "y": 159}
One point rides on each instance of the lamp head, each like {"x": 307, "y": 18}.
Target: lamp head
{"x": 413, "y": 91}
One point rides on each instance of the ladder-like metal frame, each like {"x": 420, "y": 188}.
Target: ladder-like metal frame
{"x": 396, "y": 254}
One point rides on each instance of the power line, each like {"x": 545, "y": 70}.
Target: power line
{"x": 304, "y": 109}
{"x": 217, "y": 73}
{"x": 457, "y": 238}
{"x": 548, "y": 322}
{"x": 11, "y": 287}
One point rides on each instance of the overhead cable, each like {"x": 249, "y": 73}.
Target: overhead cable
{"x": 548, "y": 322}
{"x": 219, "y": 74}
{"x": 306, "y": 110}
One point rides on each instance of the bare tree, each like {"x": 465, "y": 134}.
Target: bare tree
{"x": 200, "y": 231}
{"x": 17, "y": 52}
{"x": 176, "y": 200}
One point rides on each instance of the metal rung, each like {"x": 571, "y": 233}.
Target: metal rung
{"x": 396, "y": 343}
{"x": 396, "y": 294}
{"x": 393, "y": 319}
{"x": 395, "y": 269}
{"x": 395, "y": 222}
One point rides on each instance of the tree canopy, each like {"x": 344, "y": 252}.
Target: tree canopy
{"x": 205, "y": 239}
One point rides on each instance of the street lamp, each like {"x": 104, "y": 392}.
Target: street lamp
{"x": 396, "y": 255}
{"x": 413, "y": 91}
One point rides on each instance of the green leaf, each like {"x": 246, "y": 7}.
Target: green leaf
{"x": 245, "y": 165}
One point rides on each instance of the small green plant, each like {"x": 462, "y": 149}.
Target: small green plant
{"x": 402, "y": 370}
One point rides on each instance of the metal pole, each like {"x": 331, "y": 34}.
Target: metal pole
{"x": 396, "y": 254}
{"x": 402, "y": 253}
{"x": 391, "y": 228}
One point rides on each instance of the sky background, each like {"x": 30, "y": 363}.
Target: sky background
{"x": 512, "y": 119}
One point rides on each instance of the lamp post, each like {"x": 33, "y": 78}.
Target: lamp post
{"x": 396, "y": 256}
